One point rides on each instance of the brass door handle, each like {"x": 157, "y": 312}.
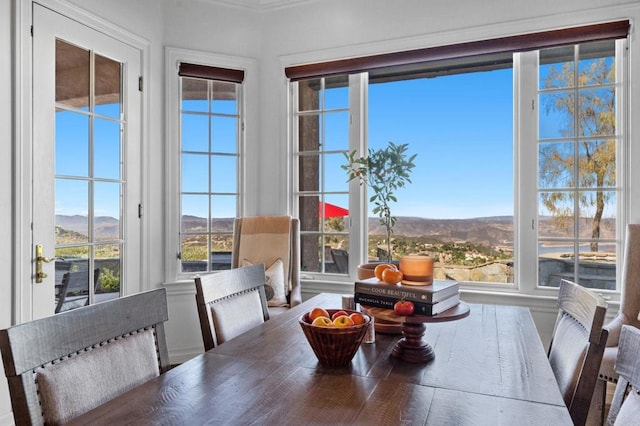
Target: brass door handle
{"x": 40, "y": 274}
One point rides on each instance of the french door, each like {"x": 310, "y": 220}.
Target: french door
{"x": 85, "y": 164}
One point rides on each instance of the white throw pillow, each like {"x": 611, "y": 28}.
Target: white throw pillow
{"x": 276, "y": 283}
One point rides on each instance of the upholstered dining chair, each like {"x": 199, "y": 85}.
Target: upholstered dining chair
{"x": 62, "y": 366}
{"x": 275, "y": 242}
{"x": 625, "y": 406}
{"x": 577, "y": 345}
{"x": 627, "y": 314}
{"x": 230, "y": 302}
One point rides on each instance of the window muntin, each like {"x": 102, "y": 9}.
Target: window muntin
{"x": 322, "y": 122}
{"x": 578, "y": 148}
{"x": 209, "y": 161}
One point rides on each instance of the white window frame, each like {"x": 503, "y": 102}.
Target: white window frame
{"x": 526, "y": 122}
{"x": 525, "y": 72}
{"x": 246, "y": 174}
{"x": 357, "y": 194}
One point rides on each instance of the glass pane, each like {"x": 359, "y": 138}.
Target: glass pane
{"x": 310, "y": 252}
{"x": 223, "y": 206}
{"x": 597, "y": 114}
{"x": 224, "y": 98}
{"x": 72, "y": 76}
{"x": 195, "y": 132}
{"x": 195, "y": 211}
{"x": 107, "y": 149}
{"x": 194, "y": 253}
{"x": 72, "y": 144}
{"x": 556, "y": 115}
{"x": 72, "y": 278}
{"x": 108, "y": 263}
{"x": 224, "y": 134}
{"x": 108, "y": 100}
{"x": 336, "y": 131}
{"x": 596, "y": 63}
{"x": 597, "y": 270}
{"x": 309, "y": 95}
{"x": 335, "y": 178}
{"x": 308, "y": 208}
{"x": 556, "y": 261}
{"x": 336, "y": 93}
{"x": 336, "y": 254}
{"x": 335, "y": 206}
{"x": 194, "y": 94}
{"x": 556, "y": 165}
{"x": 72, "y": 210}
{"x": 597, "y": 167}
{"x": 195, "y": 173}
{"x": 221, "y": 251}
{"x": 309, "y": 132}
{"x": 224, "y": 173}
{"x": 597, "y": 216}
{"x": 557, "y": 68}
{"x": 556, "y": 215}
{"x": 308, "y": 173}
{"x": 106, "y": 199}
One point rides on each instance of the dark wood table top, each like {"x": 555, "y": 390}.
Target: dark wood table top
{"x": 490, "y": 368}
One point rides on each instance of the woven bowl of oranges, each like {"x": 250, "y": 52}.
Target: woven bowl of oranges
{"x": 334, "y": 334}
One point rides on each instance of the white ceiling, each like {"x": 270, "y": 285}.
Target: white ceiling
{"x": 260, "y": 4}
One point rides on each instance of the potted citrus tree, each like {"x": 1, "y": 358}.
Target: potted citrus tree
{"x": 384, "y": 171}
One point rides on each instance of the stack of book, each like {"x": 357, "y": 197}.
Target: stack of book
{"x": 428, "y": 300}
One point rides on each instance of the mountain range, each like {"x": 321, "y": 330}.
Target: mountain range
{"x": 492, "y": 231}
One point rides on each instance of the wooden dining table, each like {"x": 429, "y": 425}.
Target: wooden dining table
{"x": 490, "y": 368}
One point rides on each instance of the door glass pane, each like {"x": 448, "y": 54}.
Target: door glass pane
{"x": 72, "y": 76}
{"x": 71, "y": 209}
{"x": 72, "y": 144}
{"x": 108, "y": 99}
{"x": 106, "y": 158}
{"x": 107, "y": 208}
{"x": 107, "y": 270}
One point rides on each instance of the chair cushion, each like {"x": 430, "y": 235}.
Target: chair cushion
{"x": 236, "y": 315}
{"x": 89, "y": 379}
{"x": 275, "y": 285}
{"x": 629, "y": 413}
{"x": 568, "y": 349}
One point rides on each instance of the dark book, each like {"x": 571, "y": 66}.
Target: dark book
{"x": 428, "y": 309}
{"x": 439, "y": 290}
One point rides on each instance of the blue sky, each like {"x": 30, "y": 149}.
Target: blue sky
{"x": 461, "y": 128}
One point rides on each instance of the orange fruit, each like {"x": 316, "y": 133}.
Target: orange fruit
{"x": 357, "y": 318}
{"x": 380, "y": 268}
{"x": 391, "y": 276}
